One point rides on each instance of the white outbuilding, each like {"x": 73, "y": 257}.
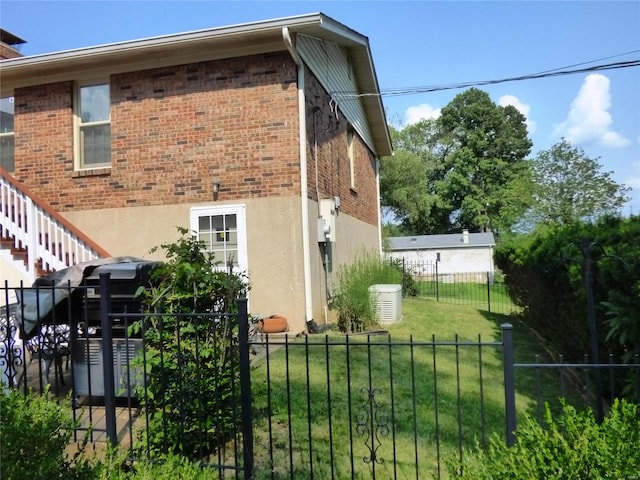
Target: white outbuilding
{"x": 449, "y": 254}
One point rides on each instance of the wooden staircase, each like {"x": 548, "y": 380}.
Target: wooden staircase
{"x": 33, "y": 232}
{"x": 19, "y": 253}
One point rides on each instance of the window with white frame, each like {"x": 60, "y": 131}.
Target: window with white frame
{"x": 93, "y": 133}
{"x": 351, "y": 157}
{"x": 7, "y": 134}
{"x": 222, "y": 230}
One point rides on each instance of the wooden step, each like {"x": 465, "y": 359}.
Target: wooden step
{"x": 21, "y": 254}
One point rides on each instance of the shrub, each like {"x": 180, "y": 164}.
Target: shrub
{"x": 409, "y": 285}
{"x": 571, "y": 446}
{"x": 34, "y": 433}
{"x": 544, "y": 275}
{"x": 169, "y": 467}
{"x": 353, "y": 301}
{"x": 190, "y": 357}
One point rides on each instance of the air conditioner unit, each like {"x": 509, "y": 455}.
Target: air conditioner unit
{"x": 387, "y": 302}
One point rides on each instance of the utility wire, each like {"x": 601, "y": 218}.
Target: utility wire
{"x": 393, "y": 92}
{"x": 590, "y": 61}
{"x": 558, "y": 73}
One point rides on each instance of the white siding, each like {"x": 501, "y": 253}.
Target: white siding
{"x": 452, "y": 260}
{"x": 330, "y": 64}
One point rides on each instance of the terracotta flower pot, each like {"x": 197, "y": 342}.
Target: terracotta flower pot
{"x": 273, "y": 324}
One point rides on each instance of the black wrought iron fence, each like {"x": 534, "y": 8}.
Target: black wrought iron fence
{"x": 584, "y": 384}
{"x": 484, "y": 290}
{"x": 371, "y": 406}
{"x": 271, "y": 407}
{"x": 149, "y": 383}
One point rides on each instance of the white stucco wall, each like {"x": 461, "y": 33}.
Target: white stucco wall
{"x": 274, "y": 248}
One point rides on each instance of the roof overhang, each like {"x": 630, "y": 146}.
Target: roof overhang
{"x": 439, "y": 247}
{"x": 202, "y": 45}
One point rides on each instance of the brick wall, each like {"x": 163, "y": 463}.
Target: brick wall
{"x": 6, "y": 51}
{"x": 327, "y": 151}
{"x": 173, "y": 130}
{"x": 43, "y": 125}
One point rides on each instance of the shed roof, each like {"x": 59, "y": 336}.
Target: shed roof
{"x": 202, "y": 45}
{"x": 430, "y": 242}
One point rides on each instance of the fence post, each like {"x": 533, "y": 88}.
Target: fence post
{"x": 107, "y": 358}
{"x": 509, "y": 382}
{"x": 245, "y": 388}
{"x": 437, "y": 292}
{"x": 488, "y": 293}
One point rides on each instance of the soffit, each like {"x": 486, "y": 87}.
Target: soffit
{"x": 168, "y": 50}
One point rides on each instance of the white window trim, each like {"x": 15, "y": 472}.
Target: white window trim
{"x": 12, "y": 133}
{"x": 77, "y": 124}
{"x": 351, "y": 139}
{"x": 241, "y": 219}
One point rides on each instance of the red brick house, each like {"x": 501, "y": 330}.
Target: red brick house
{"x": 263, "y": 138}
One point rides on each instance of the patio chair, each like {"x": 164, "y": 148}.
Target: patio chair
{"x": 51, "y": 347}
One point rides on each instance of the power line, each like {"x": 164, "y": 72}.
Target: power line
{"x": 558, "y": 73}
{"x": 591, "y": 61}
{"x": 394, "y": 92}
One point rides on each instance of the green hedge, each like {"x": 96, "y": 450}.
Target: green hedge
{"x": 570, "y": 446}
{"x": 544, "y": 276}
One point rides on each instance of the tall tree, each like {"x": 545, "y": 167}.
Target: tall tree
{"x": 466, "y": 169}
{"x": 407, "y": 180}
{"x": 570, "y": 186}
{"x": 483, "y": 172}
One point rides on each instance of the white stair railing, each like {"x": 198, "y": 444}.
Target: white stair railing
{"x": 50, "y": 241}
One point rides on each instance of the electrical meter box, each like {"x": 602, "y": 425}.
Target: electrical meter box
{"x": 328, "y": 214}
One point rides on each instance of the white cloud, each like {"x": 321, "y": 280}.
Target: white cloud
{"x": 589, "y": 119}
{"x": 420, "y": 112}
{"x": 523, "y": 108}
{"x": 634, "y": 180}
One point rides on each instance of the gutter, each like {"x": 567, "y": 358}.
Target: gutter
{"x": 304, "y": 192}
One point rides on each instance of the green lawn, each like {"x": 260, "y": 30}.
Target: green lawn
{"x": 490, "y": 297}
{"x": 402, "y": 395}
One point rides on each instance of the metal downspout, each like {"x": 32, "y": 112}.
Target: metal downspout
{"x": 380, "y": 246}
{"x": 304, "y": 192}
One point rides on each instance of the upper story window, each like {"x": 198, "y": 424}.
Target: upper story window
{"x": 6, "y": 134}
{"x": 93, "y": 133}
{"x": 351, "y": 156}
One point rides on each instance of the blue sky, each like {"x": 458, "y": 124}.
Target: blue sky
{"x": 424, "y": 44}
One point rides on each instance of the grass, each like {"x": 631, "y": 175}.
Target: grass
{"x": 492, "y": 297}
{"x": 338, "y": 407}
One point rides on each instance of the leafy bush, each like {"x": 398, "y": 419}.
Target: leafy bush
{"x": 34, "y": 433}
{"x": 544, "y": 276}
{"x": 353, "y": 301}
{"x": 190, "y": 357}
{"x": 169, "y": 467}
{"x": 571, "y": 446}
{"x": 409, "y": 285}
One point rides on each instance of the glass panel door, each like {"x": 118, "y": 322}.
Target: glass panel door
{"x": 222, "y": 230}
